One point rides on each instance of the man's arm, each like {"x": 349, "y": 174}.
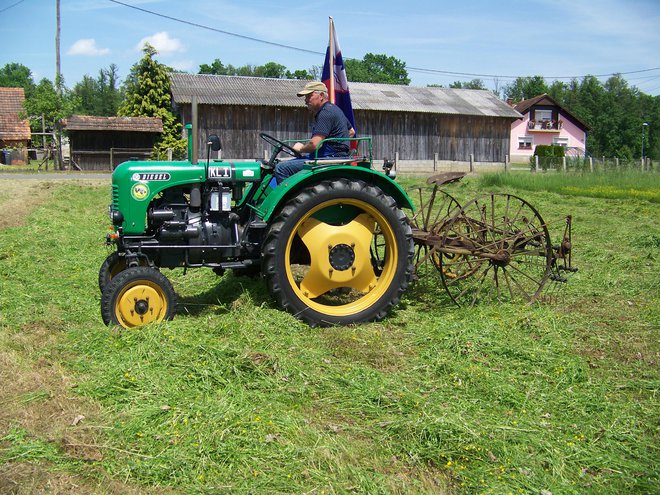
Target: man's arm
{"x": 309, "y": 146}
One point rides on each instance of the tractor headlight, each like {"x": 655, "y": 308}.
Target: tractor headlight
{"x": 116, "y": 217}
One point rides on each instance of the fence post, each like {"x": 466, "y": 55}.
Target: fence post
{"x": 396, "y": 161}
{"x": 616, "y": 163}
{"x": 591, "y": 163}
{"x": 169, "y": 154}
{"x": 471, "y": 162}
{"x": 563, "y": 163}
{"x": 536, "y": 163}
{"x": 506, "y": 162}
{"x": 111, "y": 158}
{"x": 435, "y": 162}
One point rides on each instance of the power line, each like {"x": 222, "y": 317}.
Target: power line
{"x": 314, "y": 52}
{"x": 494, "y": 76}
{"x": 13, "y": 5}
{"x": 202, "y": 26}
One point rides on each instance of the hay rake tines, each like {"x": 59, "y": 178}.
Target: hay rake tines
{"x": 495, "y": 248}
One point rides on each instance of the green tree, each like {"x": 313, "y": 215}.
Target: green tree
{"x": 216, "y": 67}
{"x": 524, "y": 88}
{"x": 44, "y": 101}
{"x": 100, "y": 96}
{"x": 269, "y": 69}
{"x": 16, "y": 75}
{"x": 377, "y": 69}
{"x": 299, "y": 74}
{"x": 147, "y": 90}
{"x": 473, "y": 84}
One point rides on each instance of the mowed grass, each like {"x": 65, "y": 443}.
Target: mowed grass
{"x": 236, "y": 396}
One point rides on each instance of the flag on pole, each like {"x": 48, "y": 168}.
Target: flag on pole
{"x": 334, "y": 77}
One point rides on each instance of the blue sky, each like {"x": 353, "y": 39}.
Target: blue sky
{"x": 440, "y": 41}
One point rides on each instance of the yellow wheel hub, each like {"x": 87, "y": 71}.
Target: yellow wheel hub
{"x": 140, "y": 303}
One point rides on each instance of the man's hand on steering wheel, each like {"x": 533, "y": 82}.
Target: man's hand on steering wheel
{"x": 278, "y": 146}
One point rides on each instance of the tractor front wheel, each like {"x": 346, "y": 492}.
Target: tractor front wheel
{"x": 138, "y": 296}
{"x": 338, "y": 253}
{"x": 112, "y": 266}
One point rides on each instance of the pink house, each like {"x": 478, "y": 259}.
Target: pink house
{"x": 545, "y": 122}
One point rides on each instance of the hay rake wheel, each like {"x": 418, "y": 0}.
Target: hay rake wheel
{"x": 496, "y": 248}
{"x": 435, "y": 207}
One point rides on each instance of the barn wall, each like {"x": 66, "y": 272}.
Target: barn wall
{"x": 415, "y": 136}
{"x": 91, "y": 149}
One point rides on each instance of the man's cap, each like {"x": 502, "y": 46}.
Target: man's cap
{"x": 312, "y": 86}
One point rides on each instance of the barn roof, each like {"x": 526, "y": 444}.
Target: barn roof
{"x": 12, "y": 128}
{"x": 524, "y": 106}
{"x": 259, "y": 91}
{"x": 126, "y": 124}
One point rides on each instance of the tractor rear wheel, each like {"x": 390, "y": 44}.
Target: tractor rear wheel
{"x": 338, "y": 253}
{"x": 138, "y": 296}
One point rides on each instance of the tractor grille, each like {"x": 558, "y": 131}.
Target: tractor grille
{"x": 115, "y": 197}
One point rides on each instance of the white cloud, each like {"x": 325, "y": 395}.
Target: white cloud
{"x": 87, "y": 46}
{"x": 162, "y": 42}
{"x": 183, "y": 65}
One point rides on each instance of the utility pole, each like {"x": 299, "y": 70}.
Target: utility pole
{"x": 58, "y": 90}
{"x": 58, "y": 72}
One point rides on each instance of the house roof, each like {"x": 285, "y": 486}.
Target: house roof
{"x": 525, "y": 105}
{"x": 12, "y": 128}
{"x": 124, "y": 124}
{"x": 259, "y": 91}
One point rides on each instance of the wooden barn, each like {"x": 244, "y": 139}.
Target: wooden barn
{"x": 417, "y": 123}
{"x": 14, "y": 131}
{"x": 102, "y": 143}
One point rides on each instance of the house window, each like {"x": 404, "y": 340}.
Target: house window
{"x": 542, "y": 115}
{"x": 525, "y": 142}
{"x": 560, "y": 141}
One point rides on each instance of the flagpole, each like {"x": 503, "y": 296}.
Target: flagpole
{"x": 332, "y": 62}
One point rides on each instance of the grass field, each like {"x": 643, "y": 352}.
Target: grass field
{"x": 236, "y": 396}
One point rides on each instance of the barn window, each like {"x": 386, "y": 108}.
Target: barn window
{"x": 525, "y": 142}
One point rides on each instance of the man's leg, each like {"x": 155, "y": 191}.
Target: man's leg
{"x": 288, "y": 168}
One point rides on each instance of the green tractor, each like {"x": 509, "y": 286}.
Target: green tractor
{"x": 332, "y": 241}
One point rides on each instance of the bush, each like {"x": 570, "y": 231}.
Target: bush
{"x": 550, "y": 156}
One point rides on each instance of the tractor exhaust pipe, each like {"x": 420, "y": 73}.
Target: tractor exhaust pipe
{"x": 195, "y": 130}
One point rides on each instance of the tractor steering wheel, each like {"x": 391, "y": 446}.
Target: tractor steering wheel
{"x": 278, "y": 146}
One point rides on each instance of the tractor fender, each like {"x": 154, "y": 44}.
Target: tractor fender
{"x": 281, "y": 194}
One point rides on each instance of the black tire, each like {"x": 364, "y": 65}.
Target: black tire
{"x": 350, "y": 267}
{"x": 136, "y": 297}
{"x": 112, "y": 266}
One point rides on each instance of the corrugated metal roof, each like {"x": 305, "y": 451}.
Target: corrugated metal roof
{"x": 128, "y": 124}
{"x": 258, "y": 91}
{"x": 12, "y": 128}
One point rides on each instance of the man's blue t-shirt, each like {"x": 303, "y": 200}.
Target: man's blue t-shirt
{"x": 331, "y": 122}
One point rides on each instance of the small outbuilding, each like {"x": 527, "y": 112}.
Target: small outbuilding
{"x": 102, "y": 143}
{"x": 411, "y": 123}
{"x": 14, "y": 132}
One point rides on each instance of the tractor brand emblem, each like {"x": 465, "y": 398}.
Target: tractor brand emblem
{"x": 159, "y": 176}
{"x": 140, "y": 192}
{"x": 248, "y": 173}
{"x": 219, "y": 172}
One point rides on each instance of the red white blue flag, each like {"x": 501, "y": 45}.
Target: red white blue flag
{"x": 334, "y": 76}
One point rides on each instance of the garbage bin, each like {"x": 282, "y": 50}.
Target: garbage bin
{"x": 6, "y": 157}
